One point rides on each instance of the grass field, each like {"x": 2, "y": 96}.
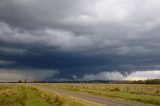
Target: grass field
{"x": 149, "y": 94}
{"x": 28, "y": 95}
{"x": 21, "y": 95}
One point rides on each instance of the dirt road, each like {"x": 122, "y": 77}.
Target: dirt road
{"x": 92, "y": 98}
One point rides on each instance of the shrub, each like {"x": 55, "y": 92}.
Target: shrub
{"x": 115, "y": 89}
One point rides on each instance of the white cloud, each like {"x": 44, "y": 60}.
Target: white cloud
{"x": 143, "y": 75}
{"x": 136, "y": 75}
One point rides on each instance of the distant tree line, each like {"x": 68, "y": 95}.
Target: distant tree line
{"x": 148, "y": 81}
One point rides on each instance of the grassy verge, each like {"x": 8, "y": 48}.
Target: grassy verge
{"x": 13, "y": 95}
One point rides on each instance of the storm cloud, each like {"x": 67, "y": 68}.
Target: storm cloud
{"x": 81, "y": 39}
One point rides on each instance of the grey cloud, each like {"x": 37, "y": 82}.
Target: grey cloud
{"x": 13, "y": 51}
{"x": 104, "y": 76}
{"x": 5, "y": 62}
{"x": 37, "y": 12}
{"x": 108, "y": 34}
{"x": 66, "y": 40}
{"x": 80, "y": 14}
{"x": 9, "y": 75}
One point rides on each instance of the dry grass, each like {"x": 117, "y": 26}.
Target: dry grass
{"x": 134, "y": 92}
{"x": 24, "y": 95}
{"x": 129, "y": 88}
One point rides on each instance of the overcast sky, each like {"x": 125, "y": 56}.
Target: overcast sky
{"x": 79, "y": 39}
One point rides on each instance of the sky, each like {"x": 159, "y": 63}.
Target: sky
{"x": 61, "y": 40}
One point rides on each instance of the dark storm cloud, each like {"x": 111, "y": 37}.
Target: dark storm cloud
{"x": 79, "y": 39}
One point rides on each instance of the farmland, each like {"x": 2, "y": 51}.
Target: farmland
{"x": 73, "y": 94}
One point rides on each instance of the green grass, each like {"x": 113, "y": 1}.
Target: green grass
{"x": 33, "y": 98}
{"x": 19, "y": 96}
{"x": 24, "y": 95}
